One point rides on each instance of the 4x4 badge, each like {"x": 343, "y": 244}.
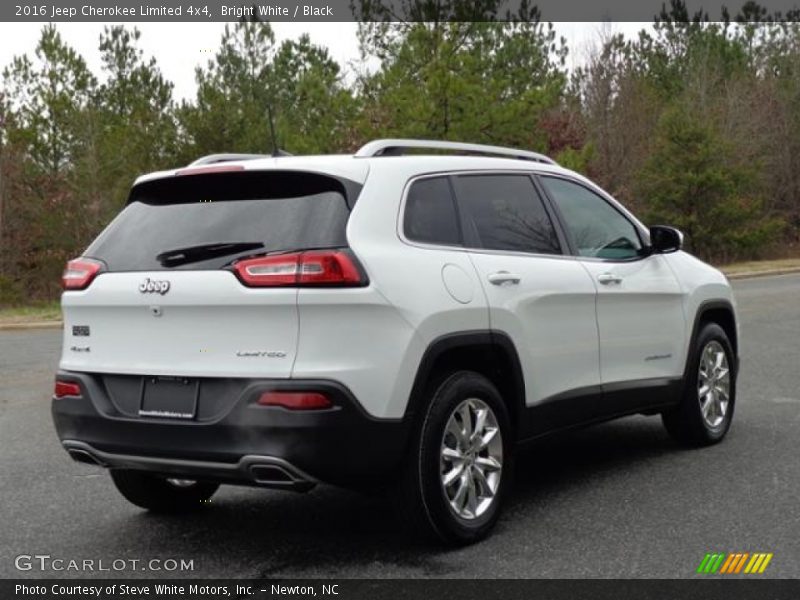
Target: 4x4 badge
{"x": 151, "y": 286}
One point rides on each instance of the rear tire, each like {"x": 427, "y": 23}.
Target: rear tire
{"x": 706, "y": 410}
{"x": 162, "y": 495}
{"x": 459, "y": 468}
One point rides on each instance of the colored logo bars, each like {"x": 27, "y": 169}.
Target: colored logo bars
{"x": 734, "y": 563}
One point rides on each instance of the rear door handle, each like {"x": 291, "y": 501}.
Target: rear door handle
{"x": 608, "y": 278}
{"x": 504, "y": 278}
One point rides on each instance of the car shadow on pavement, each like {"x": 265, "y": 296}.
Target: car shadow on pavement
{"x": 572, "y": 457}
{"x": 329, "y": 531}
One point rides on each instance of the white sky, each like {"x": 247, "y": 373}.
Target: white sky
{"x": 179, "y": 48}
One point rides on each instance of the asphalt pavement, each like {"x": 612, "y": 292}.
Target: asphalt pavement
{"x": 616, "y": 500}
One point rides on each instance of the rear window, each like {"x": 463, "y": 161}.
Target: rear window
{"x": 206, "y": 221}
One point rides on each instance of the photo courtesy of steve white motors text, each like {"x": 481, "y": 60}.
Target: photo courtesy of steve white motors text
{"x": 166, "y": 590}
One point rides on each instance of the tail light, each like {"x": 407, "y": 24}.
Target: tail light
{"x": 79, "y": 273}
{"x": 296, "y": 400}
{"x": 66, "y": 388}
{"x": 314, "y": 267}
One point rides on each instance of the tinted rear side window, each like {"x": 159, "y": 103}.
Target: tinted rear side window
{"x": 504, "y": 212}
{"x": 430, "y": 215}
{"x": 269, "y": 211}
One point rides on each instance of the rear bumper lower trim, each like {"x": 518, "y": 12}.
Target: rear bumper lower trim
{"x": 263, "y": 471}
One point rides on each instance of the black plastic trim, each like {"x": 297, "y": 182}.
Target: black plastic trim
{"x": 350, "y": 189}
{"x": 250, "y": 469}
{"x": 342, "y": 445}
{"x": 702, "y": 309}
{"x": 594, "y": 404}
{"x": 572, "y": 408}
{"x": 465, "y": 339}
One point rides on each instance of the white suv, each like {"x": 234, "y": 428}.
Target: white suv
{"x": 383, "y": 319}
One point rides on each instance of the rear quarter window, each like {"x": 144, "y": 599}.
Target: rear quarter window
{"x": 430, "y": 214}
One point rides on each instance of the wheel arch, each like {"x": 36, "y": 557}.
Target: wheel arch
{"x": 490, "y": 353}
{"x": 723, "y": 314}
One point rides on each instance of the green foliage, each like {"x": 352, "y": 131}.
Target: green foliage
{"x": 130, "y": 129}
{"x": 434, "y": 11}
{"x": 576, "y": 159}
{"x": 72, "y": 148}
{"x": 694, "y": 181}
{"x": 49, "y": 95}
{"x": 44, "y": 138}
{"x": 691, "y": 123}
{"x": 10, "y": 293}
{"x": 233, "y": 94}
{"x": 248, "y": 77}
{"x": 478, "y": 81}
{"x": 135, "y": 97}
{"x": 315, "y": 109}
{"x": 736, "y": 87}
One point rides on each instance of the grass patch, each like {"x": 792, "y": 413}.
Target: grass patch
{"x": 761, "y": 265}
{"x": 48, "y": 311}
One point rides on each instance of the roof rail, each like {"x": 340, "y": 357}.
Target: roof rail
{"x": 395, "y": 147}
{"x": 218, "y": 158}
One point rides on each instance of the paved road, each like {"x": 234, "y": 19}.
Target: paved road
{"x": 618, "y": 500}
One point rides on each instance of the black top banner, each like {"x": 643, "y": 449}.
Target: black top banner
{"x": 388, "y": 10}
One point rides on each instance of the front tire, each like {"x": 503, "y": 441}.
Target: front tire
{"x": 459, "y": 469}
{"x": 706, "y": 410}
{"x": 161, "y": 494}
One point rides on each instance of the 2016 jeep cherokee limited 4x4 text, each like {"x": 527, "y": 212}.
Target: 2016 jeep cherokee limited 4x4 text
{"x": 386, "y": 318}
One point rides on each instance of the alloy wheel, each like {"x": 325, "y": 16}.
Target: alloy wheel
{"x": 471, "y": 459}
{"x": 713, "y": 384}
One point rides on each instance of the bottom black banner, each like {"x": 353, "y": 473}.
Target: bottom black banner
{"x": 390, "y": 589}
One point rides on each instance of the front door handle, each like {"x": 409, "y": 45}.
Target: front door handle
{"x": 504, "y": 278}
{"x": 608, "y": 278}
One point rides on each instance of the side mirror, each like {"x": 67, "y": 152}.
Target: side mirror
{"x": 665, "y": 239}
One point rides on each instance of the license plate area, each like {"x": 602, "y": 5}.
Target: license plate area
{"x": 169, "y": 397}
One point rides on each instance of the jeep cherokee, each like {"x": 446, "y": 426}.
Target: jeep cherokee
{"x": 401, "y": 317}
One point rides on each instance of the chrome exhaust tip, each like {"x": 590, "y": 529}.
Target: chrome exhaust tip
{"x": 82, "y": 456}
{"x": 276, "y": 475}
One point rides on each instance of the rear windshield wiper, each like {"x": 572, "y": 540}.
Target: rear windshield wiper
{"x": 190, "y": 254}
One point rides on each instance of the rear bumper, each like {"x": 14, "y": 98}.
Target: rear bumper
{"x": 237, "y": 442}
